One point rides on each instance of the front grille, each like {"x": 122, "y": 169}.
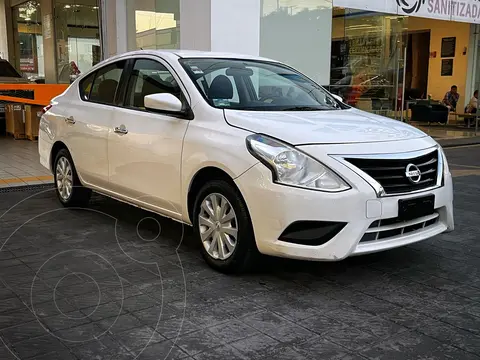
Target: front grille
{"x": 391, "y": 174}
{"x": 388, "y": 228}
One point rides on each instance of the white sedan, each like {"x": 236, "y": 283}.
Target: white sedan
{"x": 257, "y": 157}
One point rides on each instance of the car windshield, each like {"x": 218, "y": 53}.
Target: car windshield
{"x": 7, "y": 70}
{"x": 256, "y": 85}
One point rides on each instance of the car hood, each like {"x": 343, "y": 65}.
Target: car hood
{"x": 323, "y": 127}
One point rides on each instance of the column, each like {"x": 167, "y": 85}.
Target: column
{"x": 123, "y": 26}
{"x": 235, "y": 26}
{"x": 108, "y": 26}
{"x": 473, "y": 76}
{"x": 195, "y": 16}
{"x": 49, "y": 45}
{"x": 7, "y": 42}
{"x": 3, "y": 29}
{"x": 220, "y": 25}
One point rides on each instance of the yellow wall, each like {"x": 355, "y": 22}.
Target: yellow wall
{"x": 338, "y": 28}
{"x": 439, "y": 85}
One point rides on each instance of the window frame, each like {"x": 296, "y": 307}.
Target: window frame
{"x": 82, "y": 83}
{"x": 128, "y": 80}
{"x": 187, "y": 114}
{"x": 119, "y": 101}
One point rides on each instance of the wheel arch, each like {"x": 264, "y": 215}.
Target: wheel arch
{"x": 201, "y": 177}
{"x": 57, "y": 146}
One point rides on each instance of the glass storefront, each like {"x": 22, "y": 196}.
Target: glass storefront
{"x": 297, "y": 32}
{"x": 77, "y": 37}
{"x": 157, "y": 24}
{"x": 376, "y": 61}
{"x": 368, "y": 60}
{"x": 27, "y": 22}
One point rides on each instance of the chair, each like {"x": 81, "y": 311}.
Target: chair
{"x": 429, "y": 112}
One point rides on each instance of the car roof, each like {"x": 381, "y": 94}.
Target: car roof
{"x": 174, "y": 55}
{"x": 190, "y": 54}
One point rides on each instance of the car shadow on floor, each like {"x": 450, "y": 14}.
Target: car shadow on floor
{"x": 181, "y": 238}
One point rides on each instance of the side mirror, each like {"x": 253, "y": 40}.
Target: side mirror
{"x": 163, "y": 102}
{"x": 339, "y": 98}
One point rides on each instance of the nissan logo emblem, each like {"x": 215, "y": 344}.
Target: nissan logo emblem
{"x": 413, "y": 173}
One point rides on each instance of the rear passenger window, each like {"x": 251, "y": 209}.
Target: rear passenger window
{"x": 106, "y": 83}
{"x": 149, "y": 77}
{"x": 86, "y": 86}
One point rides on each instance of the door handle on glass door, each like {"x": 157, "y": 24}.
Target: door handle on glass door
{"x": 70, "y": 120}
{"x": 121, "y": 129}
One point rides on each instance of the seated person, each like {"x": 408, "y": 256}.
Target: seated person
{"x": 451, "y": 98}
{"x": 473, "y": 104}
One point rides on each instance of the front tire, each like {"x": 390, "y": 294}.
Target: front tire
{"x": 69, "y": 189}
{"x": 223, "y": 226}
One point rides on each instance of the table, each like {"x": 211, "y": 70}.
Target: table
{"x": 470, "y": 117}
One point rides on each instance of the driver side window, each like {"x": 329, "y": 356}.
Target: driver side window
{"x": 149, "y": 77}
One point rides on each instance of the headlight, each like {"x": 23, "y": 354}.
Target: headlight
{"x": 292, "y": 167}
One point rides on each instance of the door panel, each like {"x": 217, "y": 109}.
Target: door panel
{"x": 145, "y": 162}
{"x": 87, "y": 140}
{"x": 90, "y": 118}
{"x": 146, "y": 149}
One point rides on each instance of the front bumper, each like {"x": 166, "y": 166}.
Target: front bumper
{"x": 274, "y": 207}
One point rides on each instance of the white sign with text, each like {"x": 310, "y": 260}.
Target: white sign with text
{"x": 454, "y": 10}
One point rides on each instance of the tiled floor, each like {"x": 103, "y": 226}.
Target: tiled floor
{"x": 111, "y": 281}
{"x": 447, "y": 133}
{"x": 20, "y": 165}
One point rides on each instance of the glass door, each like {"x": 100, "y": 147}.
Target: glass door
{"x": 27, "y": 26}
{"x": 368, "y": 58}
{"x": 399, "y": 40}
{"x": 77, "y": 31}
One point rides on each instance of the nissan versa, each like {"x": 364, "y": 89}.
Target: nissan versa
{"x": 257, "y": 157}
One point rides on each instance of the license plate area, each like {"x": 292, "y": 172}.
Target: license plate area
{"x": 409, "y": 209}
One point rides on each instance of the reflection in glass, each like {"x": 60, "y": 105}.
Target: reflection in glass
{"x": 367, "y": 60}
{"x": 157, "y": 24}
{"x": 297, "y": 32}
{"x": 78, "y": 37}
{"x": 29, "y": 40}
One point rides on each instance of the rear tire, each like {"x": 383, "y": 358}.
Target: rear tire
{"x": 224, "y": 228}
{"x": 69, "y": 189}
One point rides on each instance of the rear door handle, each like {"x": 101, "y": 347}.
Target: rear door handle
{"x": 70, "y": 120}
{"x": 120, "y": 129}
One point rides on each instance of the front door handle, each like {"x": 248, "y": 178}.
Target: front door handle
{"x": 120, "y": 129}
{"x": 70, "y": 120}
